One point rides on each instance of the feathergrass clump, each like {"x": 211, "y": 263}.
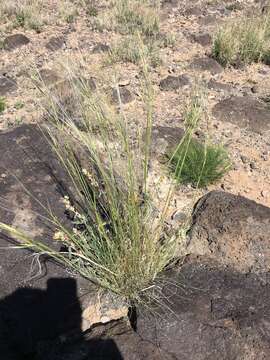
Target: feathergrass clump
{"x": 243, "y": 41}
{"x": 117, "y": 238}
{"x": 137, "y": 15}
{"x": 130, "y": 48}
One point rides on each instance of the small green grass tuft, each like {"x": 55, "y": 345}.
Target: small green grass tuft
{"x": 199, "y": 164}
{"x": 18, "y": 105}
{"x": 243, "y": 41}
{"x": 91, "y": 10}
{"x": 2, "y": 105}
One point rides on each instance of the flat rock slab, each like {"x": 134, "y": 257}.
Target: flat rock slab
{"x": 165, "y": 138}
{"x": 55, "y": 43}
{"x": 174, "y": 82}
{"x": 67, "y": 103}
{"x": 125, "y": 95}
{"x": 7, "y": 85}
{"x": 246, "y": 112}
{"x": 100, "y": 48}
{"x": 15, "y": 41}
{"x": 215, "y": 314}
{"x": 233, "y": 230}
{"x": 48, "y": 77}
{"x": 204, "y": 39}
{"x": 115, "y": 341}
{"x": 218, "y": 86}
{"x": 206, "y": 64}
{"x": 39, "y": 299}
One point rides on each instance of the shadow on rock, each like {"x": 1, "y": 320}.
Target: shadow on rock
{"x": 46, "y": 324}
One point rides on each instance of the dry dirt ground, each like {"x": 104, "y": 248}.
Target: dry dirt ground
{"x": 238, "y": 99}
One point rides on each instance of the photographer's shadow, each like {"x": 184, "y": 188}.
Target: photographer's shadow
{"x": 33, "y": 322}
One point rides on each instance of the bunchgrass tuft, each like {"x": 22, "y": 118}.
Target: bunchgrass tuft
{"x": 193, "y": 162}
{"x": 199, "y": 164}
{"x": 137, "y": 15}
{"x": 130, "y": 48}
{"x": 243, "y": 41}
{"x": 117, "y": 237}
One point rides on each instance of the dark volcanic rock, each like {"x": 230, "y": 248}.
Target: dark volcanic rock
{"x": 202, "y": 39}
{"x": 67, "y": 103}
{"x": 28, "y": 283}
{"x": 246, "y": 112}
{"x": 215, "y": 85}
{"x": 40, "y": 300}
{"x": 48, "y": 76}
{"x": 194, "y": 11}
{"x": 55, "y": 43}
{"x": 165, "y": 138}
{"x": 215, "y": 314}
{"x": 206, "y": 64}
{"x": 233, "y": 230}
{"x": 100, "y": 47}
{"x": 169, "y": 3}
{"x": 27, "y": 161}
{"x": 7, "y": 85}
{"x": 208, "y": 20}
{"x": 174, "y": 82}
{"x": 15, "y": 41}
{"x": 114, "y": 341}
{"x": 125, "y": 95}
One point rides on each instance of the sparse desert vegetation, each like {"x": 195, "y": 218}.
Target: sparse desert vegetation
{"x": 138, "y": 15}
{"x": 134, "y": 179}
{"x": 243, "y": 41}
{"x": 2, "y": 104}
{"x": 131, "y": 50}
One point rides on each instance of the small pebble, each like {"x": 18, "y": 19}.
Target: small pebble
{"x": 253, "y": 166}
{"x": 244, "y": 159}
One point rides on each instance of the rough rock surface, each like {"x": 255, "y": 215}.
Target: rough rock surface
{"x": 233, "y": 230}
{"x": 55, "y": 43}
{"x": 100, "y": 48}
{"x": 125, "y": 95}
{"x": 15, "y": 41}
{"x": 216, "y": 314}
{"x": 203, "y": 39}
{"x": 35, "y": 290}
{"x": 174, "y": 82}
{"x": 114, "y": 341}
{"x": 206, "y": 64}
{"x": 7, "y": 85}
{"x": 219, "y": 86}
{"x": 165, "y": 138}
{"x": 246, "y": 112}
{"x": 48, "y": 76}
